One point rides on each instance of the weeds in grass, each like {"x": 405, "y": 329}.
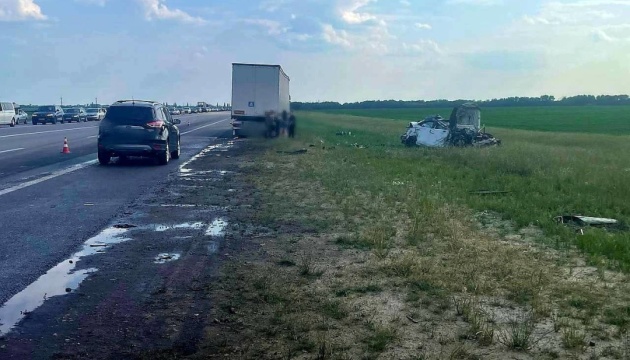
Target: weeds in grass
{"x": 379, "y": 238}
{"x": 573, "y": 339}
{"x": 518, "y": 335}
{"x": 308, "y": 267}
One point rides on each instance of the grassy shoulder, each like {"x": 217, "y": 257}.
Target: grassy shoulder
{"x": 366, "y": 249}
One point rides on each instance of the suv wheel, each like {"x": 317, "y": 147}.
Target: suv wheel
{"x": 12, "y": 122}
{"x": 164, "y": 157}
{"x": 104, "y": 158}
{"x": 175, "y": 154}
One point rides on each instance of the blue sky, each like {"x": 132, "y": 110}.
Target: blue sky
{"x": 339, "y": 50}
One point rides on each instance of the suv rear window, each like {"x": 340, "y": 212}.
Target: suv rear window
{"x": 130, "y": 115}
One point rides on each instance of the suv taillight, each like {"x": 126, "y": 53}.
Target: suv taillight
{"x": 155, "y": 124}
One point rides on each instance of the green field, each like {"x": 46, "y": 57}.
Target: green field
{"x": 546, "y": 173}
{"x": 613, "y": 120}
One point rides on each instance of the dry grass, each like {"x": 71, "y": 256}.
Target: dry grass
{"x": 372, "y": 271}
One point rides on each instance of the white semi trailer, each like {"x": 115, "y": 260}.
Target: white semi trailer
{"x": 257, "y": 90}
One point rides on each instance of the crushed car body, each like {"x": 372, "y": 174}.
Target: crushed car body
{"x": 463, "y": 128}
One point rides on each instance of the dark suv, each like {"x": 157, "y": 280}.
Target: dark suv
{"x": 47, "y": 114}
{"x": 138, "y": 128}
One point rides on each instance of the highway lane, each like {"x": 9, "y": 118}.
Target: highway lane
{"x": 43, "y": 223}
{"x": 27, "y": 149}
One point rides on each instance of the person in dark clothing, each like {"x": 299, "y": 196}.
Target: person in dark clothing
{"x": 292, "y": 126}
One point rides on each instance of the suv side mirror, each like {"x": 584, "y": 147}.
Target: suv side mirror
{"x": 177, "y": 121}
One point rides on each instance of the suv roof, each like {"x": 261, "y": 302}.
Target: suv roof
{"x": 146, "y": 103}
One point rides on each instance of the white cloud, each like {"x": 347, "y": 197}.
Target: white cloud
{"x": 335, "y": 37}
{"x": 157, "y": 9}
{"x": 17, "y": 10}
{"x": 423, "y": 26}
{"x": 349, "y": 11}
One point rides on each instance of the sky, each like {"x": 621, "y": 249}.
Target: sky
{"x": 333, "y": 50}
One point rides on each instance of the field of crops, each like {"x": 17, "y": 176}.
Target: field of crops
{"x": 613, "y": 120}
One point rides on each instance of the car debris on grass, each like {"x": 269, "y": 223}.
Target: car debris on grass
{"x": 462, "y": 129}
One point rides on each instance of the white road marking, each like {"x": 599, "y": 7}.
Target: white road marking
{"x": 201, "y": 127}
{"x": 48, "y": 177}
{"x": 12, "y": 150}
{"x": 72, "y": 168}
{"x": 93, "y": 136}
{"x": 44, "y": 132}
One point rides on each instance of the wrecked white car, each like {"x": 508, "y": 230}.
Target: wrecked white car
{"x": 462, "y": 129}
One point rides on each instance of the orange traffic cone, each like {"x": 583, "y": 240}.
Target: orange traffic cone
{"x": 66, "y": 148}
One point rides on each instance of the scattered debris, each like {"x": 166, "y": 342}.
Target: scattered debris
{"x": 413, "y": 320}
{"x": 462, "y": 129}
{"x": 358, "y": 146}
{"x": 580, "y": 222}
{"x": 166, "y": 257}
{"x": 344, "y": 133}
{"x": 586, "y": 221}
{"x": 294, "y": 152}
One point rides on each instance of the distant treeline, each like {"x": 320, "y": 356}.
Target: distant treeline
{"x": 545, "y": 100}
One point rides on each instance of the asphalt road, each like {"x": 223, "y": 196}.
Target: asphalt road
{"x": 52, "y": 202}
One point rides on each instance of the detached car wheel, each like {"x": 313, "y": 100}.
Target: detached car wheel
{"x": 104, "y": 158}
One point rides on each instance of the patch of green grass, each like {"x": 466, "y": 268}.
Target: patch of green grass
{"x": 582, "y": 119}
{"x": 380, "y": 337}
{"x": 334, "y": 309}
{"x": 286, "y": 263}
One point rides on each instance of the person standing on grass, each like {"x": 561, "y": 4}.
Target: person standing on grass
{"x": 292, "y": 126}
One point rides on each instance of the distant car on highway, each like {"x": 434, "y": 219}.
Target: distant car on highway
{"x": 21, "y": 117}
{"x": 47, "y": 114}
{"x": 95, "y": 114}
{"x": 138, "y": 128}
{"x": 175, "y": 111}
{"x": 77, "y": 114}
{"x": 7, "y": 114}
{"x": 194, "y": 110}
{"x": 187, "y": 111}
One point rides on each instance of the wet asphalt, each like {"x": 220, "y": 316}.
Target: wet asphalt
{"x": 46, "y": 222}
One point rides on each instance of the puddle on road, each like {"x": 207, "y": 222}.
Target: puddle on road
{"x": 188, "y": 173}
{"x": 183, "y": 168}
{"x": 217, "y": 228}
{"x": 166, "y": 257}
{"x": 185, "y": 226}
{"x": 179, "y": 205}
{"x": 217, "y": 231}
{"x": 59, "y": 280}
